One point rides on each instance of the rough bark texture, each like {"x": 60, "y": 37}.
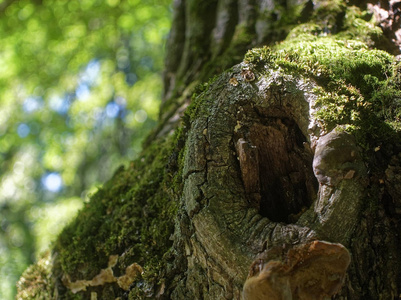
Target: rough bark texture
{"x": 230, "y": 228}
{"x": 278, "y": 155}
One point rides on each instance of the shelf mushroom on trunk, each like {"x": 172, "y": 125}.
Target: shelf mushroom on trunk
{"x": 312, "y": 271}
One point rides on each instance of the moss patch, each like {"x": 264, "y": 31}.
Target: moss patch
{"x": 132, "y": 216}
{"x": 356, "y": 86}
{"x": 36, "y": 282}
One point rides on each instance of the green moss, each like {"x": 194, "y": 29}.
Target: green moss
{"x": 36, "y": 282}
{"x": 133, "y": 213}
{"x": 195, "y": 107}
{"x": 356, "y": 86}
{"x": 360, "y": 26}
{"x": 349, "y": 71}
{"x": 328, "y": 8}
{"x": 345, "y": 22}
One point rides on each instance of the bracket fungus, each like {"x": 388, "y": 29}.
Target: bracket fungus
{"x": 311, "y": 271}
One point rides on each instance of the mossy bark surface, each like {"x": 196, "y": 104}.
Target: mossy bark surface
{"x": 295, "y": 142}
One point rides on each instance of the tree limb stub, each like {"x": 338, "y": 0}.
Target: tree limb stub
{"x": 274, "y": 195}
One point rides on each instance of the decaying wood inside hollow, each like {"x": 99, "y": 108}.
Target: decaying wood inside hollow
{"x": 276, "y": 167}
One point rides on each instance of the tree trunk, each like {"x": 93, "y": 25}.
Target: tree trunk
{"x": 285, "y": 166}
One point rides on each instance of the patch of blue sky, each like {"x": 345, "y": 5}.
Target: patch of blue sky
{"x": 32, "y": 104}
{"x": 91, "y": 72}
{"x": 52, "y": 182}
{"x": 23, "y": 130}
{"x": 82, "y": 92}
{"x": 112, "y": 110}
{"x": 59, "y": 104}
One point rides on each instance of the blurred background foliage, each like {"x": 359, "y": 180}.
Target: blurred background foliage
{"x": 79, "y": 89}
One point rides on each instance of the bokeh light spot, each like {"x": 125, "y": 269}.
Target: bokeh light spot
{"x": 59, "y": 105}
{"x": 52, "y": 182}
{"x": 19, "y": 168}
{"x": 141, "y": 116}
{"x": 91, "y": 73}
{"x": 32, "y": 104}
{"x": 23, "y": 130}
{"x": 113, "y": 3}
{"x": 82, "y": 92}
{"x": 112, "y": 110}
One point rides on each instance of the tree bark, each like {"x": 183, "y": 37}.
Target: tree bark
{"x": 250, "y": 175}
